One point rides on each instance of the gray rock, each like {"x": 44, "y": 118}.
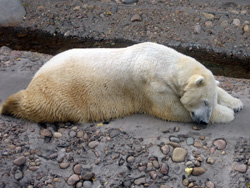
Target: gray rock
{"x": 189, "y": 164}
{"x": 12, "y": 12}
{"x": 174, "y": 139}
{"x": 18, "y": 175}
{"x": 87, "y": 184}
{"x": 190, "y": 141}
{"x": 88, "y": 176}
{"x": 129, "y": 1}
{"x": 127, "y": 183}
{"x": 114, "y": 133}
{"x": 72, "y": 134}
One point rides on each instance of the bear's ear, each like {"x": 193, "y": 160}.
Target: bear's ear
{"x": 199, "y": 80}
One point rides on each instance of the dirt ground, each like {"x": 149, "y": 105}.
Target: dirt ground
{"x": 135, "y": 151}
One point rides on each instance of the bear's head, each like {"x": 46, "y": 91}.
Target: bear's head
{"x": 199, "y": 97}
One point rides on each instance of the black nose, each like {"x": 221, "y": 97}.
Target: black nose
{"x": 203, "y": 122}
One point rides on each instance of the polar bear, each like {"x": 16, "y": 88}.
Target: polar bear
{"x": 91, "y": 85}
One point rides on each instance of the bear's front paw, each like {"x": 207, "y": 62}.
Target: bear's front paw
{"x": 222, "y": 114}
{"x": 236, "y": 105}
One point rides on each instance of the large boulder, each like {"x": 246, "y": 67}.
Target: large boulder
{"x": 11, "y": 12}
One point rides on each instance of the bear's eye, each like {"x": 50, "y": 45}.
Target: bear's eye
{"x": 206, "y": 103}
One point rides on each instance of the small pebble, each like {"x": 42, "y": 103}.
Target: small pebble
{"x": 34, "y": 168}
{"x": 153, "y": 174}
{"x": 196, "y": 128}
{"x": 236, "y": 22}
{"x": 200, "y": 159}
{"x": 190, "y": 141}
{"x": 208, "y": 24}
{"x": 176, "y": 129}
{"x": 165, "y": 131}
{"x": 174, "y": 139}
{"x": 130, "y": 159}
{"x": 189, "y": 164}
{"x": 165, "y": 149}
{"x": 202, "y": 137}
{"x": 64, "y": 165}
{"x": 18, "y": 149}
{"x": 209, "y": 184}
{"x": 127, "y": 183}
{"x": 174, "y": 144}
{"x": 77, "y": 169}
{"x": 197, "y": 29}
{"x": 136, "y": 18}
{"x": 149, "y": 166}
{"x": 79, "y": 184}
{"x": 57, "y": 134}
{"x": 212, "y": 150}
{"x": 220, "y": 144}
{"x": 156, "y": 164}
{"x": 19, "y": 161}
{"x": 114, "y": 133}
{"x": 164, "y": 169}
{"x": 72, "y": 134}
{"x": 188, "y": 171}
{"x": 179, "y": 154}
{"x": 198, "y": 144}
{"x": 73, "y": 179}
{"x": 18, "y": 175}
{"x": 185, "y": 182}
{"x": 240, "y": 167}
{"x": 93, "y": 144}
{"x": 87, "y": 184}
{"x": 46, "y": 132}
{"x": 88, "y": 176}
{"x": 208, "y": 16}
{"x": 140, "y": 181}
{"x": 79, "y": 134}
{"x": 246, "y": 28}
{"x": 197, "y": 171}
{"x": 210, "y": 161}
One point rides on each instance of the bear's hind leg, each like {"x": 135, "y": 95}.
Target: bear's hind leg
{"x": 226, "y": 99}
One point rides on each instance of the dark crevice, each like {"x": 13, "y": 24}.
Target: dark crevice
{"x": 232, "y": 64}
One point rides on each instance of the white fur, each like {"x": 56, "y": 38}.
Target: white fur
{"x": 100, "y": 84}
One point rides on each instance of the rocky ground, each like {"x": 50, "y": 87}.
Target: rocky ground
{"x": 136, "y": 151}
